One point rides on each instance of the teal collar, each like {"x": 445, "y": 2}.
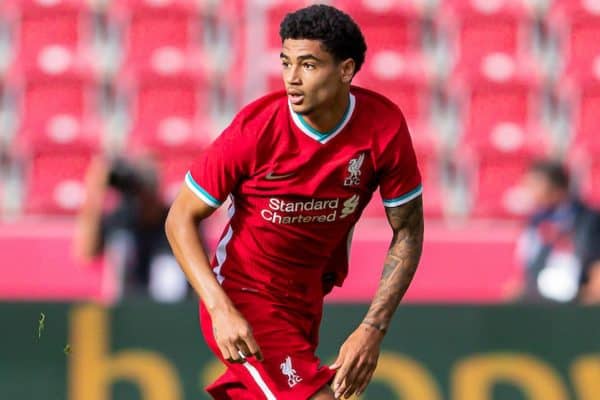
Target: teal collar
{"x": 324, "y": 137}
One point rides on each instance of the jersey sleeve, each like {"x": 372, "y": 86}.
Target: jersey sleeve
{"x": 400, "y": 179}
{"x": 220, "y": 167}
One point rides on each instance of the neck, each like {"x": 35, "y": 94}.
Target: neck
{"x": 327, "y": 117}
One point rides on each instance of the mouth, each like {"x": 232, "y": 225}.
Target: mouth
{"x": 296, "y": 98}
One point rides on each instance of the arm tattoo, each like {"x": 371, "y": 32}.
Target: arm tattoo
{"x": 401, "y": 262}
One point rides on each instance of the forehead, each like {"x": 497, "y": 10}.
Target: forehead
{"x": 299, "y": 47}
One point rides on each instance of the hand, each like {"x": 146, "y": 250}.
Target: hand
{"x": 234, "y": 336}
{"x": 356, "y": 361}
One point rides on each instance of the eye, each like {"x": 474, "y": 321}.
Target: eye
{"x": 285, "y": 64}
{"x": 309, "y": 66}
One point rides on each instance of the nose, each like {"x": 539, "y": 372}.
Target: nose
{"x": 291, "y": 75}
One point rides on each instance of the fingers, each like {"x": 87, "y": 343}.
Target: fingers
{"x": 237, "y": 350}
{"x": 235, "y": 355}
{"x": 224, "y": 352}
{"x": 243, "y": 349}
{"x": 340, "y": 383}
{"x": 365, "y": 383}
{"x": 253, "y": 348}
{"x": 353, "y": 377}
{"x": 358, "y": 381}
{"x": 350, "y": 383}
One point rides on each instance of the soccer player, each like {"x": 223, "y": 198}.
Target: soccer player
{"x": 299, "y": 166}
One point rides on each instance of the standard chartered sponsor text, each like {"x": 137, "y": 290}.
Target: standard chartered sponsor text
{"x": 301, "y": 212}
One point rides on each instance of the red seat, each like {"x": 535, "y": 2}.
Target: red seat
{"x": 152, "y": 25}
{"x": 495, "y": 185}
{"x": 583, "y": 95}
{"x": 394, "y": 24}
{"x": 55, "y": 183}
{"x": 500, "y": 105}
{"x": 578, "y": 23}
{"x": 38, "y": 25}
{"x": 57, "y": 109}
{"x": 178, "y": 123}
{"x": 482, "y": 27}
{"x": 501, "y": 102}
{"x": 231, "y": 15}
{"x": 401, "y": 78}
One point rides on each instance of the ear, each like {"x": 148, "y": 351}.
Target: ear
{"x": 347, "y": 68}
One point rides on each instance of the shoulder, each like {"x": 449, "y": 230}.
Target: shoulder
{"x": 379, "y": 109}
{"x": 382, "y": 119}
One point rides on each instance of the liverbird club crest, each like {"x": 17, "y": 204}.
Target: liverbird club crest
{"x": 290, "y": 372}
{"x": 354, "y": 172}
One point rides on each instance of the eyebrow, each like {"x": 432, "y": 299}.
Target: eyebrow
{"x": 303, "y": 57}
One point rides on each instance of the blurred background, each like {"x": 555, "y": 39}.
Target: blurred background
{"x": 104, "y": 104}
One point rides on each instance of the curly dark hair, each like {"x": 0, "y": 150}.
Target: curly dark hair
{"x": 336, "y": 30}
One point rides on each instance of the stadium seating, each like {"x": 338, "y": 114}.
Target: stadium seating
{"x": 40, "y": 25}
{"x": 231, "y": 16}
{"x": 496, "y": 84}
{"x": 482, "y": 27}
{"x": 501, "y": 132}
{"x": 582, "y": 93}
{"x": 180, "y": 122}
{"x": 58, "y": 108}
{"x": 472, "y": 77}
{"x": 500, "y": 103}
{"x": 495, "y": 185}
{"x": 55, "y": 182}
{"x": 393, "y": 24}
{"x": 401, "y": 77}
{"x": 577, "y": 23}
{"x": 148, "y": 26}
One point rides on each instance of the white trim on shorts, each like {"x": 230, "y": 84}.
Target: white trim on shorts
{"x": 259, "y": 381}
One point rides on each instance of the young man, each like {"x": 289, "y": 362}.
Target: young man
{"x": 300, "y": 166}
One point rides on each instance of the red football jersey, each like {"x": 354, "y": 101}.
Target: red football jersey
{"x": 297, "y": 193}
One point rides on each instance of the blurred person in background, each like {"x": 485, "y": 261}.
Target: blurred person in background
{"x": 131, "y": 233}
{"x": 560, "y": 247}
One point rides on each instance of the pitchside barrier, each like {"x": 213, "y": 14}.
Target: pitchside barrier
{"x": 141, "y": 350}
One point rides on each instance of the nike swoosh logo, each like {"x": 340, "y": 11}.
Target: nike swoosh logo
{"x": 272, "y": 177}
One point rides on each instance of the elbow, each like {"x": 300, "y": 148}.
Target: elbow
{"x": 170, "y": 225}
{"x": 175, "y": 223}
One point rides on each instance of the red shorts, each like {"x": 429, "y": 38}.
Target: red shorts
{"x": 287, "y": 337}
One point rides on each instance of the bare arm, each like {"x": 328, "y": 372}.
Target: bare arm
{"x": 358, "y": 356}
{"x": 400, "y": 264}
{"x": 232, "y": 332}
{"x": 181, "y": 228}
{"x": 88, "y": 238}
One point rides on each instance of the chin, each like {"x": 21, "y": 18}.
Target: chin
{"x": 301, "y": 109}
